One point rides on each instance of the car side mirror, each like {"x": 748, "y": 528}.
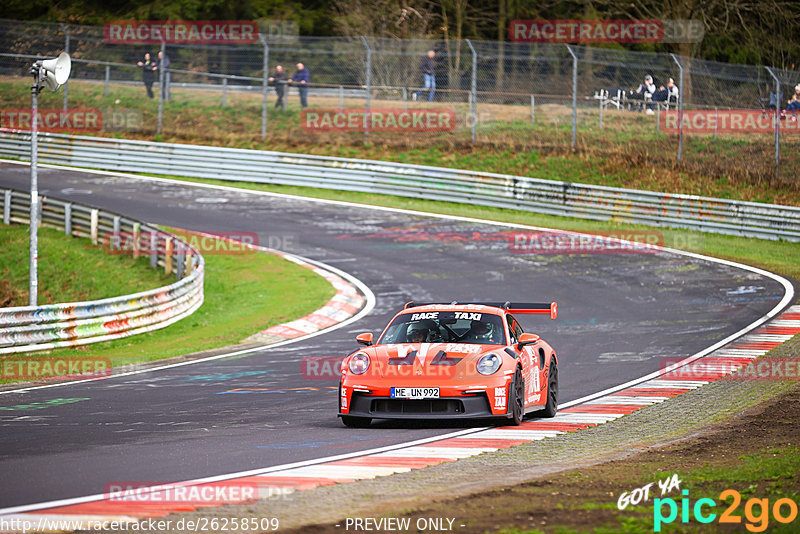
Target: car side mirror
{"x": 365, "y": 338}
{"x": 527, "y": 339}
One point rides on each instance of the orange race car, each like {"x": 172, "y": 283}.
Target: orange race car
{"x": 451, "y": 361}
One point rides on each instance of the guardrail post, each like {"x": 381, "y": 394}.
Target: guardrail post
{"x": 108, "y": 80}
{"x": 187, "y": 270}
{"x": 224, "y": 90}
{"x": 7, "y": 207}
{"x": 115, "y": 237}
{"x": 153, "y": 250}
{"x": 68, "y": 219}
{"x": 574, "y": 95}
{"x": 93, "y": 226}
{"x": 65, "y": 28}
{"x": 369, "y": 87}
{"x": 473, "y": 111}
{"x": 179, "y": 265}
{"x": 167, "y": 255}
{"x": 777, "y": 122}
{"x": 136, "y": 229}
{"x": 265, "y": 84}
{"x": 680, "y": 106}
{"x": 161, "y": 89}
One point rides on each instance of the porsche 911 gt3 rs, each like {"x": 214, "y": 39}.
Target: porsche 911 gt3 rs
{"x": 451, "y": 361}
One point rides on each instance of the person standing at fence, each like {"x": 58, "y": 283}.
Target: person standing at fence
{"x": 149, "y": 68}
{"x": 278, "y": 77}
{"x": 428, "y": 76}
{"x": 163, "y": 65}
{"x": 301, "y": 78}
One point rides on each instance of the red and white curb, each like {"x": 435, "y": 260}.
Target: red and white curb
{"x": 463, "y": 444}
{"x": 344, "y": 304}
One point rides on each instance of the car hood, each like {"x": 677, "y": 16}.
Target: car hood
{"x": 436, "y": 360}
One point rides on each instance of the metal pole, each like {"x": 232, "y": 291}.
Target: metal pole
{"x": 405, "y": 99}
{"x": 574, "y": 95}
{"x": 33, "y": 253}
{"x": 265, "y": 82}
{"x": 66, "y": 49}
{"x": 160, "y": 90}
{"x": 601, "y": 109}
{"x": 108, "y": 79}
{"x": 224, "y": 90}
{"x": 716, "y": 120}
{"x": 341, "y": 97}
{"x": 474, "y": 91}
{"x": 369, "y": 86}
{"x": 533, "y": 109}
{"x": 777, "y": 121}
{"x": 680, "y": 106}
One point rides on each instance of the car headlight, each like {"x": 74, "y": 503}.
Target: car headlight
{"x": 359, "y": 363}
{"x": 489, "y": 364}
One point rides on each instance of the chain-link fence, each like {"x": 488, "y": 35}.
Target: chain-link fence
{"x": 554, "y": 96}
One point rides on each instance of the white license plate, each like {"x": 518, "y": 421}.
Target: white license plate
{"x": 415, "y": 393}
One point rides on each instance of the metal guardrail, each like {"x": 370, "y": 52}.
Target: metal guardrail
{"x": 29, "y": 328}
{"x": 751, "y": 219}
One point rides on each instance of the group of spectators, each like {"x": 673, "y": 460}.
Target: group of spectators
{"x": 647, "y": 91}
{"x": 301, "y": 77}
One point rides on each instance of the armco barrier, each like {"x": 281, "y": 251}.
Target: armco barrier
{"x": 769, "y": 221}
{"x": 28, "y": 328}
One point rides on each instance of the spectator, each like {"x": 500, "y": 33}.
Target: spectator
{"x": 301, "y": 79}
{"x": 278, "y": 77}
{"x": 668, "y": 93}
{"x": 163, "y": 64}
{"x": 644, "y": 91}
{"x": 428, "y": 77}
{"x": 794, "y": 103}
{"x": 148, "y": 73}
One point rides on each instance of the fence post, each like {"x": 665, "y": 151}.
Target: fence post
{"x": 474, "y": 90}
{"x": 341, "y": 97}
{"x": 66, "y": 49}
{"x": 574, "y": 95}
{"x": 777, "y": 121}
{"x": 7, "y": 207}
{"x": 680, "y": 106}
{"x": 179, "y": 266}
{"x": 533, "y": 109}
{"x": 160, "y": 89}
{"x": 224, "y": 90}
{"x": 108, "y": 80}
{"x": 265, "y": 82}
{"x": 153, "y": 250}
{"x": 93, "y": 220}
{"x": 600, "y": 122}
{"x": 716, "y": 120}
{"x": 115, "y": 237}
{"x": 405, "y": 98}
{"x": 369, "y": 86}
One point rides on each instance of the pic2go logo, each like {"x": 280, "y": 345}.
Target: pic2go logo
{"x": 756, "y": 511}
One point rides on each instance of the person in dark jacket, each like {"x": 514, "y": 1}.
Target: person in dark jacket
{"x": 301, "y": 78}
{"x": 149, "y": 68}
{"x": 278, "y": 77}
{"x": 428, "y": 77}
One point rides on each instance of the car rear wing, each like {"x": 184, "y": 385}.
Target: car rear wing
{"x": 532, "y": 308}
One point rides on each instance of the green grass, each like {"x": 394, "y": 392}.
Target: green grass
{"x": 244, "y": 294}
{"x": 63, "y": 264}
{"x": 778, "y": 256}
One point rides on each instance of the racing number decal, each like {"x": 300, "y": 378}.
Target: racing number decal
{"x": 500, "y": 397}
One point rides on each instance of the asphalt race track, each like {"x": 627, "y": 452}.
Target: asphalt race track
{"x": 619, "y": 315}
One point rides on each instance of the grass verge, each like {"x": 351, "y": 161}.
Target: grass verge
{"x": 243, "y": 295}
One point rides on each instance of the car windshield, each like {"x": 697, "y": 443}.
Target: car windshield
{"x": 446, "y": 327}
